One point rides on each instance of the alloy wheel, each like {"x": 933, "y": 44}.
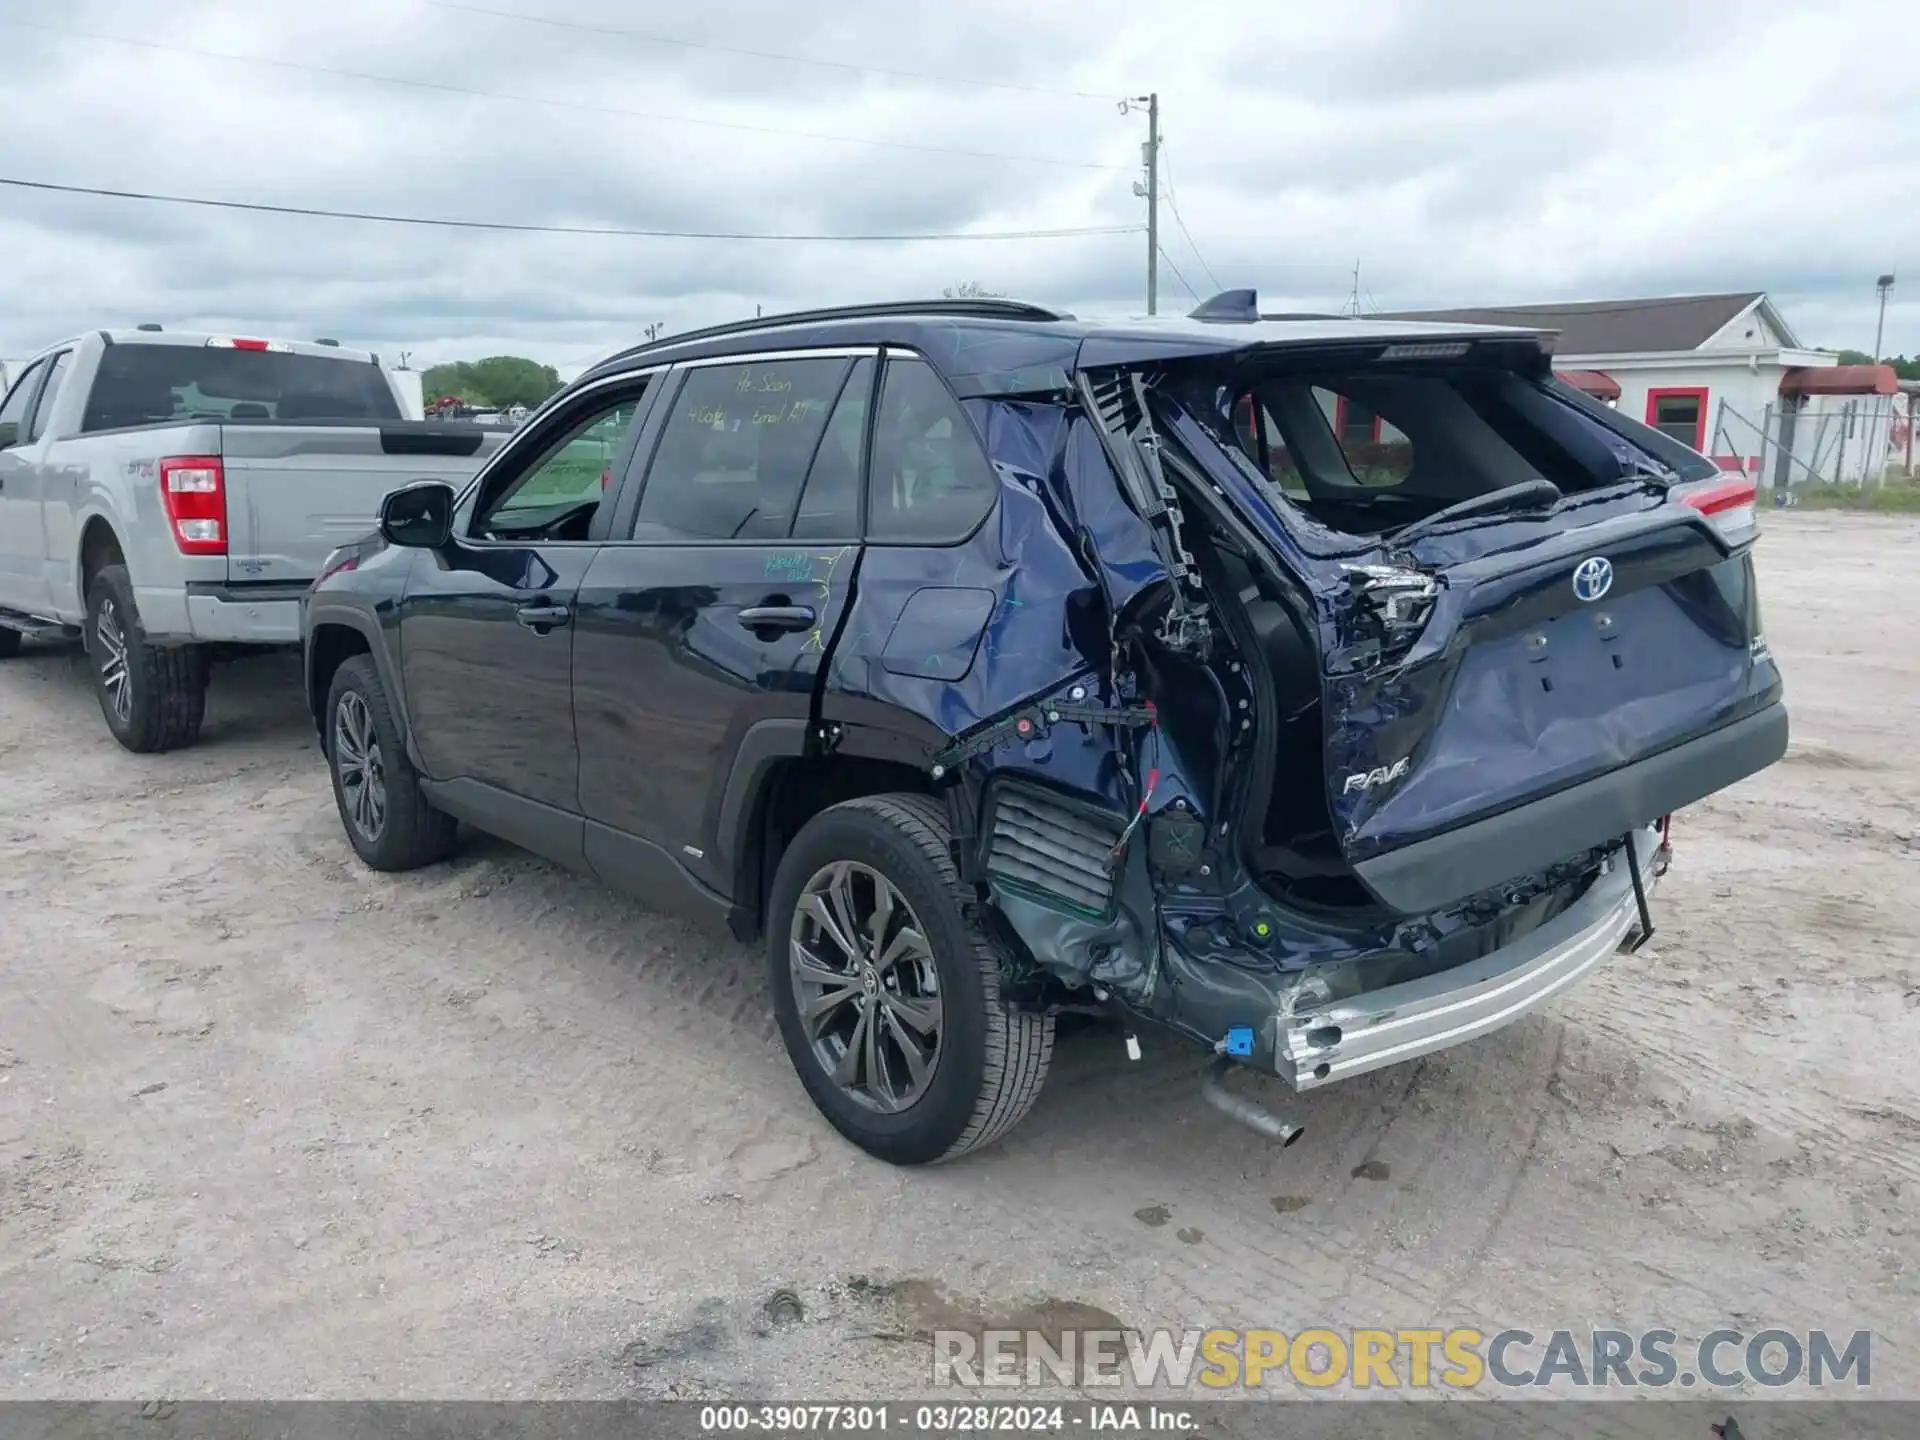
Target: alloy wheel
{"x": 865, "y": 986}
{"x": 357, "y": 761}
{"x": 114, "y": 676}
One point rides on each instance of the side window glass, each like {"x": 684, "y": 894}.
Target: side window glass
{"x": 830, "y": 504}
{"x": 735, "y": 449}
{"x": 48, "y": 392}
{"x": 1378, "y": 455}
{"x": 930, "y": 481}
{"x": 556, "y": 496}
{"x": 13, "y": 413}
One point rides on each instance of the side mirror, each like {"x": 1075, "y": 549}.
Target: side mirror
{"x": 9, "y": 434}
{"x": 419, "y": 515}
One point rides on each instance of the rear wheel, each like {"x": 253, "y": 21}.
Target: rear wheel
{"x": 9, "y": 643}
{"x": 388, "y": 821}
{"x": 153, "y": 697}
{"x": 888, "y": 994}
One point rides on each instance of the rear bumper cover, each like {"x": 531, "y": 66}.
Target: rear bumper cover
{"x": 1425, "y": 876}
{"x": 1401, "y": 1022}
{"x": 260, "y": 613}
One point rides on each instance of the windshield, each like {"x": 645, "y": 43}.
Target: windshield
{"x": 155, "y": 384}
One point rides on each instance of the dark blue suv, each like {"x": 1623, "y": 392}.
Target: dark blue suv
{"x": 1318, "y": 689}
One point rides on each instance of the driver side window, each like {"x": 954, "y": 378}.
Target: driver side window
{"x": 556, "y": 495}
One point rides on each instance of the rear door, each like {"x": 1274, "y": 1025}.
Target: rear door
{"x": 1492, "y": 665}
{"x": 486, "y": 624}
{"x": 707, "y": 616}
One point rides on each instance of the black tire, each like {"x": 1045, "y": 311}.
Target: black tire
{"x": 409, "y": 832}
{"x": 153, "y": 697}
{"x": 9, "y": 643}
{"x": 990, "y": 1061}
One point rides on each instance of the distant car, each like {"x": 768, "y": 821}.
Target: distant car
{"x": 1316, "y": 689}
{"x": 168, "y": 497}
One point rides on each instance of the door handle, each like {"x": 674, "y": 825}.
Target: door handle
{"x": 542, "y": 618}
{"x": 777, "y": 617}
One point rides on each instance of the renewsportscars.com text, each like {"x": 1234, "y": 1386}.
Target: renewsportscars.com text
{"x": 1456, "y": 1358}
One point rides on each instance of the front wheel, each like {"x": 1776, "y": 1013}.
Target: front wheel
{"x": 9, "y": 643}
{"x": 888, "y": 994}
{"x": 388, "y": 821}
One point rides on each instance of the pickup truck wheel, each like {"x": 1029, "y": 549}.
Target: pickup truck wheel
{"x": 388, "y": 821}
{"x": 152, "y": 696}
{"x": 888, "y": 995}
{"x": 9, "y": 643}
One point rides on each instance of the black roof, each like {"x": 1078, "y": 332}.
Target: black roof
{"x": 1610, "y": 327}
{"x": 989, "y": 346}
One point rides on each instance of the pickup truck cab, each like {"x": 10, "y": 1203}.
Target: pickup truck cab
{"x": 1316, "y": 689}
{"x": 169, "y": 497}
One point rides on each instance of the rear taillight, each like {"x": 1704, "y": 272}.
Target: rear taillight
{"x": 193, "y": 492}
{"x": 1729, "y": 506}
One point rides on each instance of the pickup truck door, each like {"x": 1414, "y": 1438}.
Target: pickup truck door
{"x": 705, "y": 620}
{"x": 486, "y": 625}
{"x": 22, "y": 545}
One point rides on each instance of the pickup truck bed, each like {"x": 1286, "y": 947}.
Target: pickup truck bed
{"x": 211, "y": 476}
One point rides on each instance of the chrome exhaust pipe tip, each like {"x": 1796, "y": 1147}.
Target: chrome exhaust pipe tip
{"x": 1248, "y": 1112}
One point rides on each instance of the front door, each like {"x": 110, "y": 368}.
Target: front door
{"x": 486, "y": 627}
{"x": 705, "y": 621}
{"x": 22, "y": 586}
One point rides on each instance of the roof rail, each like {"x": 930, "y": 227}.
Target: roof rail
{"x": 975, "y": 307}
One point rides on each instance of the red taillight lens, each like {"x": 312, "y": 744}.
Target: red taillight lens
{"x": 1727, "y": 504}
{"x": 193, "y": 492}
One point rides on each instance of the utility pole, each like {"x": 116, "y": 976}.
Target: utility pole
{"x": 1150, "y": 191}
{"x": 1885, "y": 286}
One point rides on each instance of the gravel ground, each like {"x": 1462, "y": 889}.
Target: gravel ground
{"x": 272, "y": 1125}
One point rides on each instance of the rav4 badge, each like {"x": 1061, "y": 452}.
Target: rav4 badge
{"x": 1382, "y": 775}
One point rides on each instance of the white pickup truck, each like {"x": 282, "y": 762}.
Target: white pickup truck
{"x": 169, "y": 497}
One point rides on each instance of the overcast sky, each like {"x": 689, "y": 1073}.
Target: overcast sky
{"x": 1463, "y": 151}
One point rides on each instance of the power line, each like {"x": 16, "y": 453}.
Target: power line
{"x": 657, "y": 39}
{"x": 1174, "y": 206}
{"x": 1178, "y": 276}
{"x": 577, "y": 105}
{"x": 527, "y": 229}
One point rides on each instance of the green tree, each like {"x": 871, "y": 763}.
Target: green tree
{"x": 497, "y": 381}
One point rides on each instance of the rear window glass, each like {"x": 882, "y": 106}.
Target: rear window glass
{"x": 155, "y": 384}
{"x": 1425, "y": 439}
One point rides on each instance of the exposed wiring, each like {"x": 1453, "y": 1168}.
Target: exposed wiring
{"x": 1146, "y": 794}
{"x": 579, "y": 105}
{"x": 530, "y": 229}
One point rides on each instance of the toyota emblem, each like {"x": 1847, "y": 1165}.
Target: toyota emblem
{"x": 1592, "y": 578}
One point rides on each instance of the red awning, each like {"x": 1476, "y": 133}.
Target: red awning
{"x": 1841, "y": 380}
{"x": 1601, "y": 387}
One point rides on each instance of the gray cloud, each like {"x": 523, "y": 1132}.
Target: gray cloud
{"x": 1473, "y": 151}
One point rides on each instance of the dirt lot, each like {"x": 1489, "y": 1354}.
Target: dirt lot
{"x": 272, "y": 1125}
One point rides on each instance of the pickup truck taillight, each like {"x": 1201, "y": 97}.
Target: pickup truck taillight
{"x": 193, "y": 492}
{"x": 1727, "y": 504}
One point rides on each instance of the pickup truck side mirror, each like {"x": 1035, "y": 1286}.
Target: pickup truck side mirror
{"x": 419, "y": 515}
{"x": 9, "y": 434}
